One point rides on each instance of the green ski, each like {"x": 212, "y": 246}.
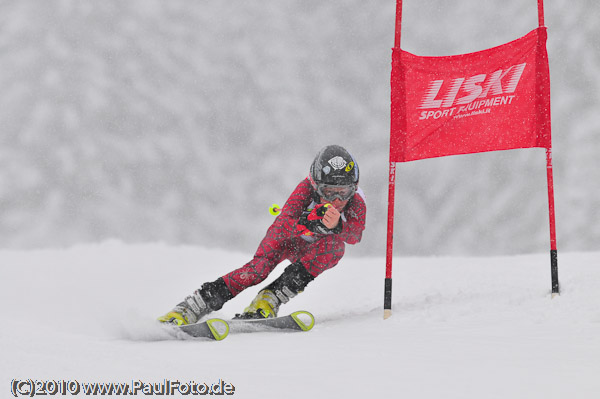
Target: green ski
{"x": 216, "y": 329}
{"x": 297, "y": 321}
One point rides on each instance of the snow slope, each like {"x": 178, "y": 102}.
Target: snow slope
{"x": 461, "y": 328}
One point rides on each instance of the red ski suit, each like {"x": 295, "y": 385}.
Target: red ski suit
{"x": 283, "y": 241}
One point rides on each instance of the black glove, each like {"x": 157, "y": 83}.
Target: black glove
{"x": 310, "y": 222}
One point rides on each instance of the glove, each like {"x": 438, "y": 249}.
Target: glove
{"x": 310, "y": 222}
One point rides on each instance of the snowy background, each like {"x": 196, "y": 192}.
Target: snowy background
{"x": 181, "y": 122}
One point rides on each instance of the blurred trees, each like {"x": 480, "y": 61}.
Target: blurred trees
{"x": 182, "y": 122}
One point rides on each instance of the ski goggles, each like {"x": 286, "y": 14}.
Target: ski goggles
{"x": 330, "y": 192}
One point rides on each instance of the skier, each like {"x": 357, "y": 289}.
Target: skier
{"x": 326, "y": 210}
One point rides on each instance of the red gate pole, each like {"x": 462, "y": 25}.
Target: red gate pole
{"x": 549, "y": 176}
{"x": 387, "y": 293}
{"x": 553, "y": 250}
{"x": 398, "y": 29}
{"x": 551, "y": 212}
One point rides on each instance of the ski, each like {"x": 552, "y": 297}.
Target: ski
{"x": 297, "y": 321}
{"x": 219, "y": 329}
{"x": 215, "y": 329}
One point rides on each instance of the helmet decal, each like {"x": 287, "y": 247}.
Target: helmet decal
{"x": 337, "y": 163}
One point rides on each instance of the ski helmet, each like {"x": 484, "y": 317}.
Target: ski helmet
{"x": 334, "y": 166}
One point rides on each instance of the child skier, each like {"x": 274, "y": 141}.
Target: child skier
{"x": 326, "y": 210}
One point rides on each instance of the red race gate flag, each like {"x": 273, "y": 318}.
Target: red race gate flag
{"x": 495, "y": 99}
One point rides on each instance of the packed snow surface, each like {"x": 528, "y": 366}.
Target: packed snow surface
{"x": 461, "y": 327}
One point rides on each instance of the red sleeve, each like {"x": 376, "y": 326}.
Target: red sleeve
{"x": 302, "y": 197}
{"x": 299, "y": 200}
{"x": 354, "y": 225}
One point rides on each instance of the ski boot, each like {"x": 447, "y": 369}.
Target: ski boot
{"x": 207, "y": 299}
{"x": 292, "y": 281}
{"x": 264, "y": 306}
